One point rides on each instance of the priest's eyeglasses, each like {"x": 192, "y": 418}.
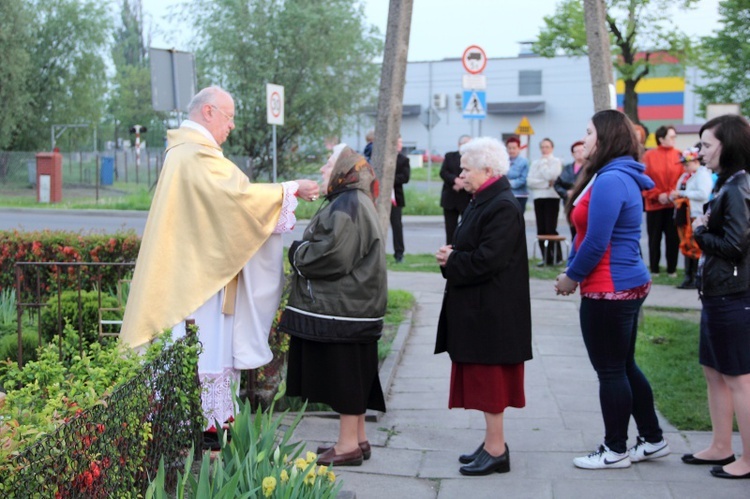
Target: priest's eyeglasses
{"x": 230, "y": 118}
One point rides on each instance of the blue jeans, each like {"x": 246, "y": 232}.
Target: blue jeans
{"x": 609, "y": 330}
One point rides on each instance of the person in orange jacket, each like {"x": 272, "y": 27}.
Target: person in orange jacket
{"x": 663, "y": 166}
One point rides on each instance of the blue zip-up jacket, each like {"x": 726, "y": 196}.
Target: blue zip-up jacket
{"x": 607, "y": 246}
{"x": 517, "y": 173}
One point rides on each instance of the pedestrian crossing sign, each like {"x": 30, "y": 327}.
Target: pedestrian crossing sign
{"x": 475, "y": 104}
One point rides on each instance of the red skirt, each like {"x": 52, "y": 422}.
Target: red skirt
{"x": 487, "y": 388}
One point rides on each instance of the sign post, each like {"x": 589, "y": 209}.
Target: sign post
{"x": 524, "y": 130}
{"x": 474, "y": 102}
{"x": 274, "y": 114}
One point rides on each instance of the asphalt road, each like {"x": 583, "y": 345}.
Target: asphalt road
{"x": 422, "y": 234}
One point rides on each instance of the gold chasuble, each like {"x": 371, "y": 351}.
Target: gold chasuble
{"x": 206, "y": 221}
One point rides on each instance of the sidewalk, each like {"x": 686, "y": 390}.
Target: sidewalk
{"x": 417, "y": 442}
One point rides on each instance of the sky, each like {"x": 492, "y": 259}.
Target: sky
{"x": 444, "y": 28}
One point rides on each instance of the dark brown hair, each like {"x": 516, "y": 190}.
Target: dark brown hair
{"x": 734, "y": 134}
{"x": 615, "y": 137}
{"x": 661, "y": 133}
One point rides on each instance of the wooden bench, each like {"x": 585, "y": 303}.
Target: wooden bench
{"x": 545, "y": 239}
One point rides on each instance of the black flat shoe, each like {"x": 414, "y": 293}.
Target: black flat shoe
{"x": 467, "y": 458}
{"x": 485, "y": 464}
{"x": 691, "y": 459}
{"x": 719, "y": 472}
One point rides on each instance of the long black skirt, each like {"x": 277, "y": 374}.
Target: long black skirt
{"x": 342, "y": 375}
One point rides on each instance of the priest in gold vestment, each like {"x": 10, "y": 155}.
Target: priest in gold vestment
{"x": 212, "y": 251}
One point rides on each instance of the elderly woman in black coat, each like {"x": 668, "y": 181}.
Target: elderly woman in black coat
{"x": 485, "y": 322}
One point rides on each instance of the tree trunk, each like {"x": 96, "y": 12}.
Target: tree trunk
{"x": 390, "y": 103}
{"x": 630, "y": 103}
{"x": 600, "y": 56}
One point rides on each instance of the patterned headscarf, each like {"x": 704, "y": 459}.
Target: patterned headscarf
{"x": 352, "y": 171}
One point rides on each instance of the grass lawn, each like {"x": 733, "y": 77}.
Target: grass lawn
{"x": 667, "y": 353}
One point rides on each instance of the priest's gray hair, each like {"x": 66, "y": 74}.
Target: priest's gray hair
{"x": 486, "y": 152}
{"x": 205, "y": 96}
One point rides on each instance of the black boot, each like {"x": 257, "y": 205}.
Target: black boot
{"x": 485, "y": 464}
{"x": 691, "y": 267}
{"x": 467, "y": 458}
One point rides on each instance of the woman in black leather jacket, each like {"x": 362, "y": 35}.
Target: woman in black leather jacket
{"x": 723, "y": 235}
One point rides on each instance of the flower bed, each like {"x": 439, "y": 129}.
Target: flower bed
{"x": 96, "y": 425}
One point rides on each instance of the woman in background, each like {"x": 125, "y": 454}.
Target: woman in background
{"x": 691, "y": 193}
{"x": 541, "y": 180}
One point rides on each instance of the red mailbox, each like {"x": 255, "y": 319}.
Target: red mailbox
{"x": 48, "y": 177}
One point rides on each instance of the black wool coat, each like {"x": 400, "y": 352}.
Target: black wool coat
{"x": 401, "y": 177}
{"x": 451, "y": 168}
{"x": 486, "y": 314}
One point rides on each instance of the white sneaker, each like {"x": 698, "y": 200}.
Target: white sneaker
{"x": 643, "y": 451}
{"x": 603, "y": 459}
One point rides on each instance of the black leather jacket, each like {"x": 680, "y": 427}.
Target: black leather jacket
{"x": 725, "y": 241}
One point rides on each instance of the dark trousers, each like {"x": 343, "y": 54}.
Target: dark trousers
{"x": 657, "y": 223}
{"x": 609, "y": 330}
{"x": 451, "y": 222}
{"x": 398, "y": 232}
{"x": 522, "y": 201}
{"x": 546, "y": 211}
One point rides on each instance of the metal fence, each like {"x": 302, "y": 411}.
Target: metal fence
{"x": 112, "y": 449}
{"x": 79, "y": 168}
{"x": 36, "y": 282}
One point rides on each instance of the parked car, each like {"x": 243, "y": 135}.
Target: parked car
{"x": 436, "y": 158}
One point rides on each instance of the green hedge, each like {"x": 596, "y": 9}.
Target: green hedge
{"x": 61, "y": 246}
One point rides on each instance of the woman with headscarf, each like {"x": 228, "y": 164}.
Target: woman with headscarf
{"x": 336, "y": 305}
{"x": 485, "y": 321}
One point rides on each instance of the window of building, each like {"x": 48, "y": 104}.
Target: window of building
{"x": 529, "y": 83}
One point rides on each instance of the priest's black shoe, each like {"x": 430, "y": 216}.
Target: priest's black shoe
{"x": 485, "y": 464}
{"x": 467, "y": 458}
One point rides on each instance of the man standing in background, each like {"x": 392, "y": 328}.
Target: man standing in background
{"x": 403, "y": 172}
{"x": 519, "y": 170}
{"x": 454, "y": 199}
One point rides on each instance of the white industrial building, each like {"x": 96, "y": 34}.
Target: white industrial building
{"x": 553, "y": 93}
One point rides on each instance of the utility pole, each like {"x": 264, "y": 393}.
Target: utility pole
{"x": 600, "y": 56}
{"x": 390, "y": 102}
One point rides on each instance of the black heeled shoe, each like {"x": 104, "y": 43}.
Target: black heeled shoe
{"x": 467, "y": 458}
{"x": 485, "y": 464}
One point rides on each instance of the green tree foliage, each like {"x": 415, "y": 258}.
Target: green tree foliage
{"x": 130, "y": 102}
{"x": 15, "y": 64}
{"x": 635, "y": 26}
{"x": 320, "y": 51}
{"x": 725, "y": 57}
{"x": 67, "y": 81}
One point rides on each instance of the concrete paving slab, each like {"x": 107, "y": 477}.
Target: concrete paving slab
{"x": 378, "y": 486}
{"x": 417, "y": 443}
{"x": 496, "y": 486}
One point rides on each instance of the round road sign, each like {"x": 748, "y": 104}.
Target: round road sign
{"x": 474, "y": 59}
{"x": 275, "y": 104}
